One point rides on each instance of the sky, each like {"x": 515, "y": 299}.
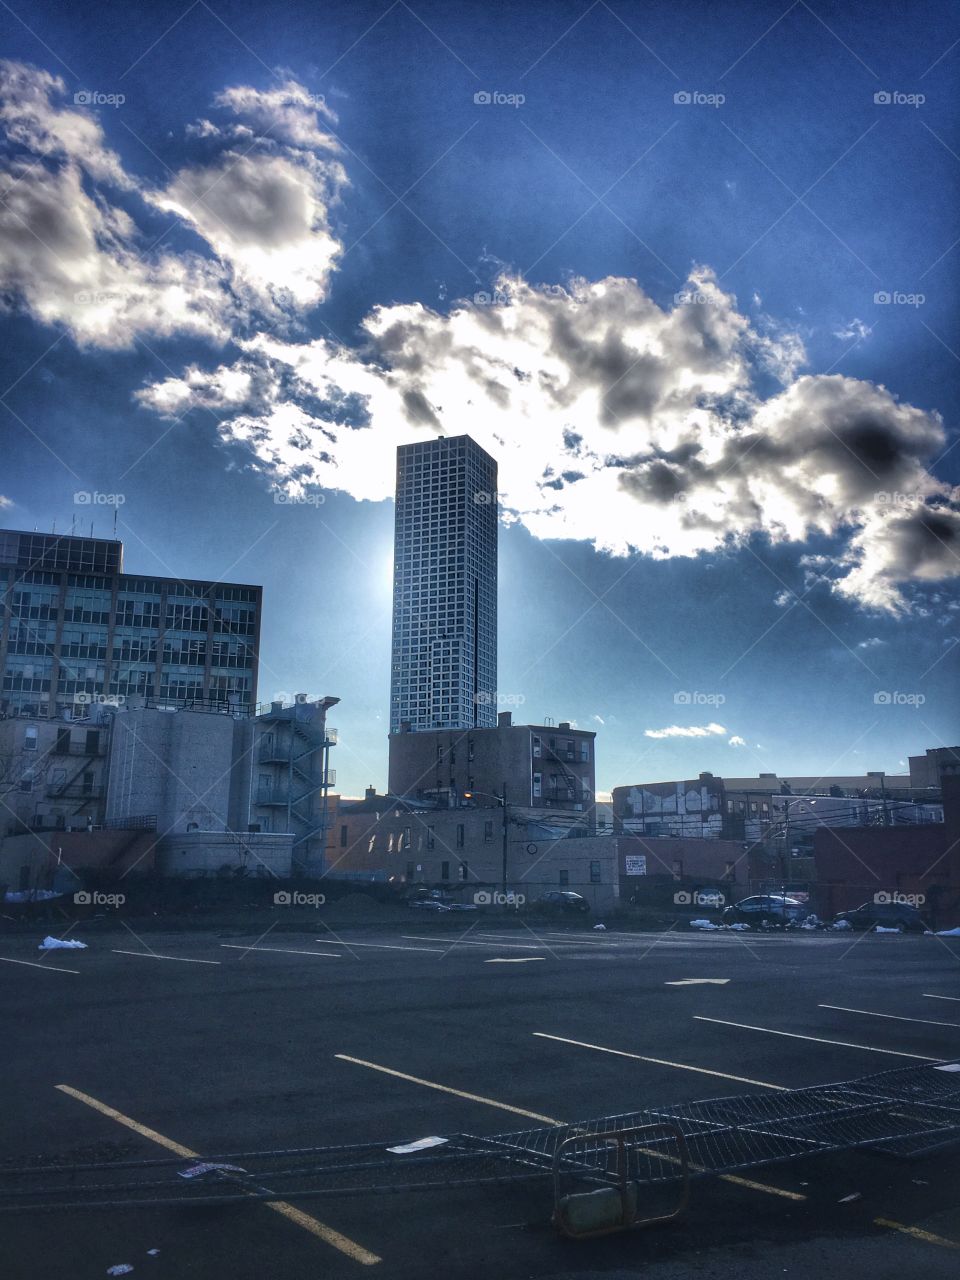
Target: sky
{"x": 688, "y": 274}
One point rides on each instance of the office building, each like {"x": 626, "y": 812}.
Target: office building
{"x": 75, "y": 630}
{"x": 444, "y": 649}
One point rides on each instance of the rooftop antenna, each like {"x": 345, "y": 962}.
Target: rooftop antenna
{"x": 54, "y": 529}
{"x": 116, "y": 512}
{"x": 91, "y": 528}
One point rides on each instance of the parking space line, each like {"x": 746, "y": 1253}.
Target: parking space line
{"x": 334, "y": 1238}
{"x": 287, "y": 951}
{"x": 929, "y": 1022}
{"x": 471, "y": 942}
{"x": 445, "y": 1088}
{"x": 378, "y": 946}
{"x": 795, "y": 1035}
{"x": 153, "y": 955}
{"x": 662, "y": 1062}
{"x": 928, "y": 995}
{"x": 917, "y": 1233}
{"x": 513, "y": 959}
{"x": 533, "y": 1115}
{"x": 33, "y": 964}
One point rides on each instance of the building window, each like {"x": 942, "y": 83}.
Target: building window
{"x": 444, "y": 870}
{"x": 594, "y": 872}
{"x": 431, "y": 838}
{"x": 537, "y": 785}
{"x": 30, "y": 738}
{"x": 411, "y": 869}
{"x": 343, "y": 836}
{"x": 407, "y": 838}
{"x": 584, "y": 749}
{"x": 372, "y": 844}
{"x": 390, "y": 843}
{"x": 459, "y": 835}
{"x": 488, "y": 831}
{"x": 464, "y": 871}
{"x": 26, "y": 784}
{"x": 601, "y": 824}
{"x": 537, "y": 747}
{"x": 564, "y": 879}
{"x": 678, "y": 869}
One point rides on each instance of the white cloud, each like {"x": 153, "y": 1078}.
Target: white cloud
{"x": 854, "y": 328}
{"x": 736, "y": 741}
{"x": 72, "y": 254}
{"x": 5, "y": 502}
{"x": 615, "y": 421}
{"x": 872, "y": 642}
{"x": 685, "y": 731}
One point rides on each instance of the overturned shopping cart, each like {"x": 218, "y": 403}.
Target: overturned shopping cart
{"x": 603, "y": 1172}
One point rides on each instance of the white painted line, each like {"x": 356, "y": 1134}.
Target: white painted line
{"x": 379, "y": 946}
{"x": 927, "y": 995}
{"x": 33, "y": 964}
{"x": 287, "y": 951}
{"x": 152, "y": 955}
{"x": 514, "y": 959}
{"x": 697, "y": 982}
{"x": 794, "y": 1035}
{"x": 471, "y": 942}
{"x": 445, "y": 1088}
{"x": 662, "y": 1062}
{"x": 929, "y": 1022}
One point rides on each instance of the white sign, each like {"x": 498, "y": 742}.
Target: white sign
{"x": 635, "y": 864}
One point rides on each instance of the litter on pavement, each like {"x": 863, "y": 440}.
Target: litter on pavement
{"x": 204, "y": 1167}
{"x": 420, "y": 1145}
{"x": 61, "y": 944}
{"x": 121, "y": 1269}
{"x": 847, "y": 1199}
{"x": 703, "y": 924}
{"x": 948, "y": 933}
{"x": 600, "y": 926}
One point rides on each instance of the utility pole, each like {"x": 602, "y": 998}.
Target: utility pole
{"x": 503, "y": 802}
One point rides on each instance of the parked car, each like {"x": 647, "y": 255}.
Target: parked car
{"x": 563, "y": 900}
{"x": 765, "y": 908}
{"x": 890, "y": 915}
{"x": 428, "y": 904}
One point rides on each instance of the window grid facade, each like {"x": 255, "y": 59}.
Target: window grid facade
{"x": 69, "y": 636}
{"x": 444, "y": 650}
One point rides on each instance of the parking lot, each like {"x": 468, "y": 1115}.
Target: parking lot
{"x": 203, "y": 1043}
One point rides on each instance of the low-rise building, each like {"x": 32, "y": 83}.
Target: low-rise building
{"x": 53, "y": 772}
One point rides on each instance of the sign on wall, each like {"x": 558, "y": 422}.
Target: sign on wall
{"x": 635, "y": 864}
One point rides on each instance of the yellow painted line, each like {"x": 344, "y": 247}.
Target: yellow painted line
{"x": 916, "y": 1233}
{"x": 533, "y": 1115}
{"x": 153, "y": 955}
{"x": 795, "y": 1035}
{"x": 444, "y": 1088}
{"x": 929, "y": 1022}
{"x": 927, "y": 995}
{"x": 662, "y": 1062}
{"x": 33, "y": 964}
{"x": 378, "y": 946}
{"x": 317, "y": 1228}
{"x": 287, "y": 951}
{"x": 514, "y": 959}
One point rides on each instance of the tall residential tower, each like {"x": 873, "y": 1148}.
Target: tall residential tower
{"x": 444, "y": 670}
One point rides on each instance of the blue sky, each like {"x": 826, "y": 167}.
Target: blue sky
{"x": 763, "y": 512}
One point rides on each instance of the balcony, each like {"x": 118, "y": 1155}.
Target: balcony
{"x": 276, "y": 795}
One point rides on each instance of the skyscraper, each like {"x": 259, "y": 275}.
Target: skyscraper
{"x": 444, "y": 671}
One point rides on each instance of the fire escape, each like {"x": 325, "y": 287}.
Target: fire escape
{"x": 296, "y": 746}
{"x": 568, "y": 791}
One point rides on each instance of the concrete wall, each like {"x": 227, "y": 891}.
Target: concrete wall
{"x": 57, "y": 859}
{"x": 205, "y": 853}
{"x": 179, "y": 767}
{"x": 67, "y": 780}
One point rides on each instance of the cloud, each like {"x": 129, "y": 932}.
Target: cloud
{"x": 872, "y": 642}
{"x": 615, "y": 421}
{"x": 77, "y": 247}
{"x": 736, "y": 741}
{"x": 5, "y": 502}
{"x": 685, "y": 731}
{"x": 854, "y": 328}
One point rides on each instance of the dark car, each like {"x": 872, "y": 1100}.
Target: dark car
{"x": 563, "y": 900}
{"x": 889, "y": 915}
{"x": 765, "y": 908}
